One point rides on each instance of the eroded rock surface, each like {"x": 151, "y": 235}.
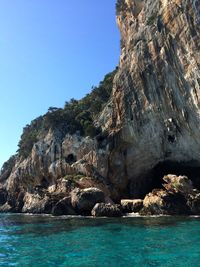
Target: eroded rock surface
{"x": 156, "y": 93}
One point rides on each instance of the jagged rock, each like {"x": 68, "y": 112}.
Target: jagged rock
{"x": 63, "y": 207}
{"x": 161, "y": 202}
{"x": 106, "y": 210}
{"x": 6, "y": 208}
{"x": 131, "y": 205}
{"x": 35, "y": 203}
{"x": 83, "y": 200}
{"x": 178, "y": 184}
{"x": 154, "y": 203}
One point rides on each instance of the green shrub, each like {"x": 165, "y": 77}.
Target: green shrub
{"x": 74, "y": 178}
{"x": 121, "y": 6}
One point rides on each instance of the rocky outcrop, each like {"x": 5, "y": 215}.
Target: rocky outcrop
{"x": 84, "y": 200}
{"x": 55, "y": 166}
{"x": 178, "y": 198}
{"x": 35, "y": 203}
{"x": 131, "y": 205}
{"x": 106, "y": 210}
{"x": 54, "y": 157}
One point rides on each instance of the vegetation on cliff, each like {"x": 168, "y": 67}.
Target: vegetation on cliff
{"x": 121, "y": 6}
{"x": 77, "y": 116}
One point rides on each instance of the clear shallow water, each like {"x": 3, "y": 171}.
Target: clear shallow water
{"x": 41, "y": 241}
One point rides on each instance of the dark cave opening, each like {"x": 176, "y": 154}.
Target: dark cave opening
{"x": 155, "y": 178}
{"x": 44, "y": 183}
{"x": 71, "y": 158}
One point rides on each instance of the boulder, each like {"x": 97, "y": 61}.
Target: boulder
{"x": 106, "y": 210}
{"x": 6, "y": 208}
{"x": 177, "y": 198}
{"x": 161, "y": 202}
{"x": 83, "y": 200}
{"x": 131, "y": 205}
{"x": 154, "y": 203}
{"x": 63, "y": 207}
{"x": 35, "y": 203}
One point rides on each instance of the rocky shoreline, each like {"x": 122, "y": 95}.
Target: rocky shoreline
{"x": 177, "y": 197}
{"x": 106, "y": 154}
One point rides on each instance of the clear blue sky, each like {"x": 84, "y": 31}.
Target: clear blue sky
{"x": 50, "y": 51}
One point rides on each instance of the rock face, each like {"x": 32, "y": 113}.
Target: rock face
{"x": 156, "y": 94}
{"x": 149, "y": 127}
{"x": 54, "y": 168}
{"x": 35, "y": 204}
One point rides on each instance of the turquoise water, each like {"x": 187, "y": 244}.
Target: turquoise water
{"x": 43, "y": 241}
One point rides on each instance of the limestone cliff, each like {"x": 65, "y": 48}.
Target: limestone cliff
{"x": 156, "y": 95}
{"x": 150, "y": 125}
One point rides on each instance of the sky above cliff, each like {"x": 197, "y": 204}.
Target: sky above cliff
{"x": 50, "y": 51}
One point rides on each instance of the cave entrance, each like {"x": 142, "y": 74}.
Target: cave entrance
{"x": 191, "y": 169}
{"x": 154, "y": 178}
{"x": 71, "y": 158}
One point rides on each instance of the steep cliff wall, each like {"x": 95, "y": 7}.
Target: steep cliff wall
{"x": 156, "y": 93}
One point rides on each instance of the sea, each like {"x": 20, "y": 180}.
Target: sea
{"x": 45, "y": 241}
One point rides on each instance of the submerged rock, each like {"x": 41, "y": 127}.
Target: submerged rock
{"x": 106, "y": 210}
{"x": 83, "y": 200}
